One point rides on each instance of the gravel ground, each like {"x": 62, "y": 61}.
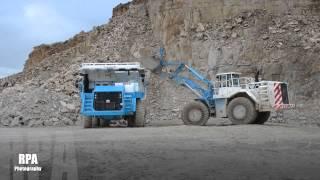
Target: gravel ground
{"x": 174, "y": 152}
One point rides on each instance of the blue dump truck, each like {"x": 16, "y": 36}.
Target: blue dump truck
{"x": 112, "y": 92}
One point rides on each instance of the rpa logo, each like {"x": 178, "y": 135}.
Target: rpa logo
{"x": 26, "y": 159}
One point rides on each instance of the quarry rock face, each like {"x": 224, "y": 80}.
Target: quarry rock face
{"x": 280, "y": 38}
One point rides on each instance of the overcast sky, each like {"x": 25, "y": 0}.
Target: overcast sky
{"x": 27, "y": 23}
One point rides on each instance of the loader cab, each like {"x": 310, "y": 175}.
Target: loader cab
{"x": 227, "y": 84}
{"x": 231, "y": 79}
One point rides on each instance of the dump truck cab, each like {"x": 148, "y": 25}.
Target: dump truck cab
{"x": 112, "y": 91}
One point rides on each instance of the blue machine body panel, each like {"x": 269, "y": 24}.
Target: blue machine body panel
{"x": 128, "y": 103}
{"x": 110, "y": 91}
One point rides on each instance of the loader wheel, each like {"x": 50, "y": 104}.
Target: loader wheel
{"x": 95, "y": 122}
{"x": 262, "y": 117}
{"x": 87, "y": 122}
{"x": 195, "y": 113}
{"x": 139, "y": 119}
{"x": 241, "y": 110}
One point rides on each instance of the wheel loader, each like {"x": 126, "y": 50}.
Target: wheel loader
{"x": 243, "y": 100}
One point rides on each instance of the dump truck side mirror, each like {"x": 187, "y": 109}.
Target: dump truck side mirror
{"x": 76, "y": 84}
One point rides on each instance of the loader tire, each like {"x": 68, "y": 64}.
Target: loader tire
{"x": 95, "y": 122}
{"x": 241, "y": 110}
{"x": 140, "y": 115}
{"x": 87, "y": 122}
{"x": 262, "y": 117}
{"x": 195, "y": 113}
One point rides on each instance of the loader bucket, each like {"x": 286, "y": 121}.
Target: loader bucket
{"x": 154, "y": 64}
{"x": 151, "y": 63}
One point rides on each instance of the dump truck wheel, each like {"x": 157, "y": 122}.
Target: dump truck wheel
{"x": 139, "y": 119}
{"x": 262, "y": 117}
{"x": 95, "y": 122}
{"x": 130, "y": 121}
{"x": 87, "y": 122}
{"x": 104, "y": 123}
{"x": 241, "y": 110}
{"x": 195, "y": 113}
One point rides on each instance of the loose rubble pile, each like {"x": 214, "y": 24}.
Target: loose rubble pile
{"x": 284, "y": 47}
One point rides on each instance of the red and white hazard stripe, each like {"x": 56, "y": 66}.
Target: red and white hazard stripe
{"x": 277, "y": 96}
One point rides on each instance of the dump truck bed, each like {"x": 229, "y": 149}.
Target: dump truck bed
{"x": 85, "y": 67}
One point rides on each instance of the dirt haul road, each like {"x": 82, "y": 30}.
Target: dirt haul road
{"x": 175, "y": 152}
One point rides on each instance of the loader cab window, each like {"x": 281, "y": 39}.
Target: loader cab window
{"x": 228, "y": 80}
{"x": 223, "y": 80}
{"x": 235, "y": 80}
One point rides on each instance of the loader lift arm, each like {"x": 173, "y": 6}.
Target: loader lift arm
{"x": 204, "y": 94}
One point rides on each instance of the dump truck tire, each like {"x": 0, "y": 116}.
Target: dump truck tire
{"x": 195, "y": 113}
{"x": 241, "y": 110}
{"x": 139, "y": 119}
{"x": 104, "y": 123}
{"x": 262, "y": 117}
{"x": 95, "y": 122}
{"x": 130, "y": 121}
{"x": 87, "y": 122}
